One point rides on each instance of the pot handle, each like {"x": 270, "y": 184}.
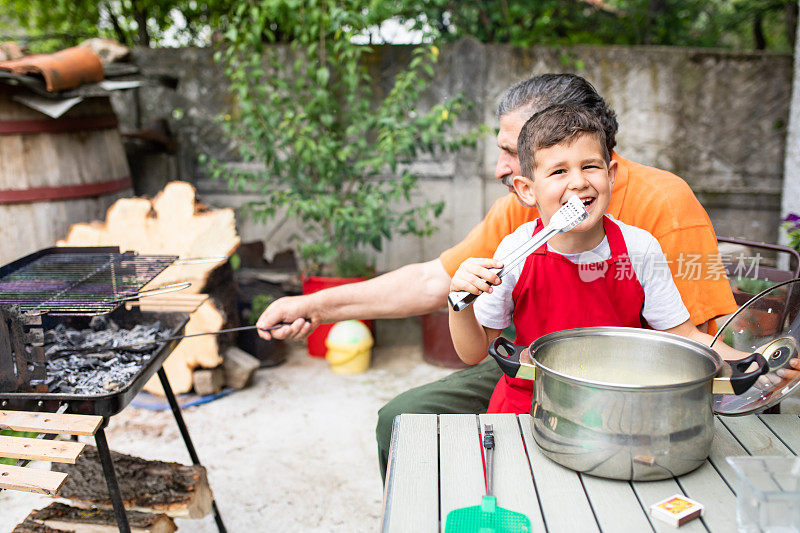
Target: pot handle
{"x": 742, "y": 380}
{"x": 508, "y": 358}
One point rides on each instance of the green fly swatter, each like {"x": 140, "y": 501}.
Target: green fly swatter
{"x": 486, "y": 517}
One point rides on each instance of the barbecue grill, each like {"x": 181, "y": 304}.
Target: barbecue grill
{"x": 69, "y": 286}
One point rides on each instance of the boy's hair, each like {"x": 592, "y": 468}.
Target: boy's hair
{"x": 555, "y": 125}
{"x": 540, "y": 92}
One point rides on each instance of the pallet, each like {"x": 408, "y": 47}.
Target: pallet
{"x": 39, "y": 449}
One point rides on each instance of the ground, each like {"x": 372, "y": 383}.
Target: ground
{"x": 293, "y": 452}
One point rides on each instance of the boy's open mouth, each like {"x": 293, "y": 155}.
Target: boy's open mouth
{"x": 586, "y": 202}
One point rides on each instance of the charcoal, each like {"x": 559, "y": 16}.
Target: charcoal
{"x": 75, "y": 338}
{"x": 105, "y": 370}
{"x": 101, "y": 323}
{"x": 50, "y": 336}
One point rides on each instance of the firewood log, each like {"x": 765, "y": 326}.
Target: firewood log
{"x": 62, "y": 517}
{"x": 175, "y": 223}
{"x": 148, "y": 486}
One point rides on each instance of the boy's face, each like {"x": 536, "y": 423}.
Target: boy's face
{"x": 567, "y": 170}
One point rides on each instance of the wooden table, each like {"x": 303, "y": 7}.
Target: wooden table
{"x": 435, "y": 466}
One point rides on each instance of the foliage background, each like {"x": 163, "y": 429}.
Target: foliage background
{"x": 332, "y": 151}
{"x": 739, "y": 24}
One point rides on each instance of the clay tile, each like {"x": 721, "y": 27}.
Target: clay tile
{"x": 10, "y": 50}
{"x": 62, "y": 70}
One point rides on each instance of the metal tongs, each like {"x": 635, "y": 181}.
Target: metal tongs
{"x": 570, "y": 215}
{"x": 172, "y": 287}
{"x": 112, "y": 347}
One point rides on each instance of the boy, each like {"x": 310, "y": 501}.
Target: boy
{"x": 601, "y": 273}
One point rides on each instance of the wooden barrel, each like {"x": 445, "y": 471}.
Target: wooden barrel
{"x": 56, "y": 172}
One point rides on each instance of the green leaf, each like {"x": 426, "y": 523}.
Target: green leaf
{"x": 323, "y": 75}
{"x": 331, "y": 144}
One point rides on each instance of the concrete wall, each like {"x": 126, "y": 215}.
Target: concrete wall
{"x": 791, "y": 184}
{"x": 716, "y": 118}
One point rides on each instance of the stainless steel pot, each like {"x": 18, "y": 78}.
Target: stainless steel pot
{"x": 624, "y": 403}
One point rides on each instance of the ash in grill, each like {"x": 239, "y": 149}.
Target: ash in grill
{"x": 71, "y": 369}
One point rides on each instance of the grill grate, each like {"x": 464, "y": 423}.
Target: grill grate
{"x": 77, "y": 281}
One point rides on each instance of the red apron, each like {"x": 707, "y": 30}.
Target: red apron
{"x": 553, "y": 294}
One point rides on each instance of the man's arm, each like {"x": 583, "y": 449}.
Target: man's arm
{"x": 411, "y": 290}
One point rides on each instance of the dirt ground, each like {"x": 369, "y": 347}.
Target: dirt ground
{"x": 293, "y": 452}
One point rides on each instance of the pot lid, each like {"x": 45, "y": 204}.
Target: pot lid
{"x": 768, "y": 323}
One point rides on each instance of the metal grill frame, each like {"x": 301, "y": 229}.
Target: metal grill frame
{"x": 86, "y": 281}
{"x": 113, "y": 402}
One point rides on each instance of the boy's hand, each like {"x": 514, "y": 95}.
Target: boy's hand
{"x": 475, "y": 277}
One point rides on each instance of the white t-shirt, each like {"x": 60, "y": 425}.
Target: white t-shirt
{"x": 663, "y": 307}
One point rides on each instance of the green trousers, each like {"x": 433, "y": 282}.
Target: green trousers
{"x": 465, "y": 391}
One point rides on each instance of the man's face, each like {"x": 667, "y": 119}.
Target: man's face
{"x": 508, "y": 162}
{"x": 567, "y": 170}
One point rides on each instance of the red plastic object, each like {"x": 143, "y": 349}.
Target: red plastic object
{"x": 316, "y": 340}
{"x": 437, "y": 345}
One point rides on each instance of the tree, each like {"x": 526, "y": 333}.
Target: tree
{"x": 53, "y": 24}
{"x": 332, "y": 151}
{"x": 759, "y": 24}
{"x": 703, "y": 23}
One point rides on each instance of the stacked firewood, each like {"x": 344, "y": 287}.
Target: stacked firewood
{"x": 154, "y": 492}
{"x": 175, "y": 223}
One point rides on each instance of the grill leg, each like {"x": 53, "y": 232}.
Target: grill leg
{"x": 111, "y": 480}
{"x": 176, "y": 411}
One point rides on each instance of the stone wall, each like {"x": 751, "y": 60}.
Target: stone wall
{"x": 716, "y": 118}
{"x": 791, "y": 183}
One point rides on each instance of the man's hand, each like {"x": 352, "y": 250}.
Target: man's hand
{"x": 790, "y": 373}
{"x": 475, "y": 277}
{"x": 780, "y": 376}
{"x": 291, "y": 310}
{"x": 410, "y": 290}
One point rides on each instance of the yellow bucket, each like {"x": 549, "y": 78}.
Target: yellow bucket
{"x": 349, "y": 346}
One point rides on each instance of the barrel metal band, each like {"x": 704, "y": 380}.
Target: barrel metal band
{"x": 64, "y": 192}
{"x": 58, "y": 125}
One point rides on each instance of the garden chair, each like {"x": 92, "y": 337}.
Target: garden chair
{"x": 775, "y": 263}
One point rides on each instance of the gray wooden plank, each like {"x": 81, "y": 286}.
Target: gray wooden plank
{"x": 411, "y": 497}
{"x": 461, "y": 481}
{"x": 564, "y": 502}
{"x": 781, "y": 429}
{"x": 754, "y": 435}
{"x": 706, "y": 486}
{"x": 725, "y": 445}
{"x": 513, "y": 483}
{"x": 615, "y": 505}
{"x": 650, "y": 492}
{"x": 786, "y": 427}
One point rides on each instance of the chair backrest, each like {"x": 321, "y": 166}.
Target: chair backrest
{"x": 772, "y": 273}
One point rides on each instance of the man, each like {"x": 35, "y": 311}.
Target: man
{"x": 646, "y": 197}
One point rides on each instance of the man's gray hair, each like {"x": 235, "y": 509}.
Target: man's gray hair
{"x": 540, "y": 92}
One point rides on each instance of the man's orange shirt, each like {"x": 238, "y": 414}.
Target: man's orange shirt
{"x": 652, "y": 199}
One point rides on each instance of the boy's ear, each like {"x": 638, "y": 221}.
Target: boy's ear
{"x": 524, "y": 188}
{"x": 612, "y": 174}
